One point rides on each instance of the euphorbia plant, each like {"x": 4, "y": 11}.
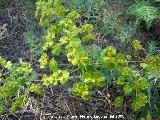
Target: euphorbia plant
{"x": 15, "y": 80}
{"x": 65, "y": 37}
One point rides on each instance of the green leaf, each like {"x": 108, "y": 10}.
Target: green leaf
{"x": 126, "y": 71}
{"x": 120, "y": 58}
{"x": 88, "y": 78}
{"x": 54, "y": 78}
{"x": 73, "y": 15}
{"x": 64, "y": 39}
{"x": 148, "y": 116}
{"x": 88, "y": 37}
{"x": 65, "y": 76}
{"x": 86, "y": 95}
{"x": 118, "y": 102}
{"x": 58, "y": 8}
{"x": 143, "y": 65}
{"x": 121, "y": 80}
{"x": 108, "y": 62}
{"x": 36, "y": 89}
{"x": 127, "y": 89}
{"x": 139, "y": 102}
{"x": 8, "y": 65}
{"x": 53, "y": 65}
{"x": 45, "y": 80}
{"x": 16, "y": 104}
{"x": 110, "y": 51}
{"x": 72, "y": 57}
{"x": 143, "y": 84}
{"x": 3, "y": 61}
{"x": 87, "y": 28}
{"x": 1, "y": 110}
{"x": 43, "y": 60}
{"x": 56, "y": 49}
{"x": 76, "y": 88}
{"x": 140, "y": 84}
{"x": 137, "y": 45}
{"x": 49, "y": 40}
{"x": 85, "y": 92}
{"x": 82, "y": 90}
{"x": 100, "y": 80}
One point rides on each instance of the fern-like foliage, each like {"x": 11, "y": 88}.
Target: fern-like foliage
{"x": 144, "y": 11}
{"x": 152, "y": 47}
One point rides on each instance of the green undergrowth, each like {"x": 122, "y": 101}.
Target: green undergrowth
{"x": 118, "y": 19}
